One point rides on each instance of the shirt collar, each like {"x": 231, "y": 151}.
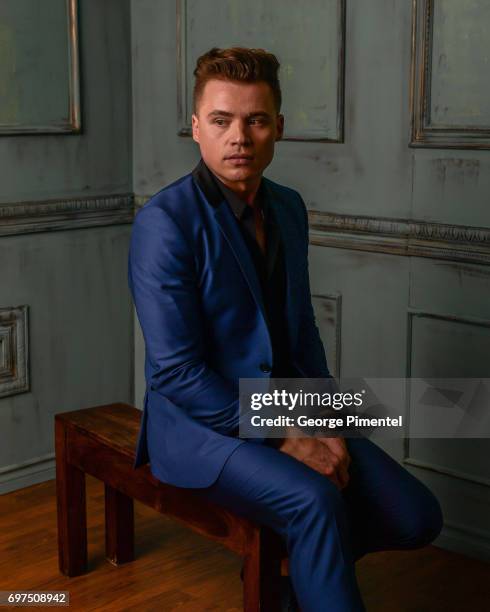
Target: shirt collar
{"x": 239, "y": 207}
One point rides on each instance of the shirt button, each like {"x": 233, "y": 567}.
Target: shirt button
{"x": 265, "y": 367}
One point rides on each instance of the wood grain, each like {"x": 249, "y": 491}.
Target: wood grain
{"x": 176, "y": 569}
{"x": 100, "y": 441}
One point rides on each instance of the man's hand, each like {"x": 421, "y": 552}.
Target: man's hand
{"x": 328, "y": 456}
{"x": 338, "y": 447}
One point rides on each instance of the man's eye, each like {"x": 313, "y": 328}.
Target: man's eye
{"x": 220, "y": 121}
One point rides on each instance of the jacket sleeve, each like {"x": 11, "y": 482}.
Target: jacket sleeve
{"x": 163, "y": 279}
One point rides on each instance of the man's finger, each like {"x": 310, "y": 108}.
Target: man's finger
{"x": 344, "y": 477}
{"x": 334, "y": 478}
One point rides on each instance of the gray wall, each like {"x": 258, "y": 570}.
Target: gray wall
{"x": 397, "y": 190}
{"x": 399, "y": 213}
{"x": 72, "y": 280}
{"x": 98, "y": 161}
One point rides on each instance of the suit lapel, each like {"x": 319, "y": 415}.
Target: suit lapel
{"x": 231, "y": 231}
{"x": 233, "y": 235}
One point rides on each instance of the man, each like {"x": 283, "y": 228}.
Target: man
{"x": 218, "y": 269}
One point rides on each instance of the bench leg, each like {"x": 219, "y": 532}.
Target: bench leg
{"x": 119, "y": 526}
{"x": 262, "y": 573}
{"x": 71, "y": 507}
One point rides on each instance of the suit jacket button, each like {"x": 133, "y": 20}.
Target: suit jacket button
{"x": 265, "y": 367}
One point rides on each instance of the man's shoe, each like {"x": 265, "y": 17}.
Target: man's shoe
{"x": 289, "y": 602}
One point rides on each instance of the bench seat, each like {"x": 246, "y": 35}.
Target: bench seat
{"x": 101, "y": 441}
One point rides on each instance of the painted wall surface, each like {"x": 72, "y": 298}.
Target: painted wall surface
{"x": 34, "y": 56}
{"x": 80, "y": 340}
{"x": 38, "y": 167}
{"x": 374, "y": 173}
{"x": 74, "y": 282}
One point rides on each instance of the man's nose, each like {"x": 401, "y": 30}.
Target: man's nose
{"x": 240, "y": 133}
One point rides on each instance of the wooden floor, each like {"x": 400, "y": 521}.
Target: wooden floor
{"x": 178, "y": 570}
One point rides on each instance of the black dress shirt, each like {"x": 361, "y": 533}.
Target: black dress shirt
{"x": 270, "y": 270}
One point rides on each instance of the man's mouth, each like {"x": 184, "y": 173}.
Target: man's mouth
{"x": 239, "y": 156}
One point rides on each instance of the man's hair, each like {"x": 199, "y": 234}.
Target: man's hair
{"x": 237, "y": 64}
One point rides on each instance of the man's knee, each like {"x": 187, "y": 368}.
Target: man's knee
{"x": 434, "y": 520}
{"x": 425, "y": 522}
{"x": 319, "y": 497}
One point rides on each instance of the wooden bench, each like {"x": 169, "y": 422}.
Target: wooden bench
{"x": 101, "y": 441}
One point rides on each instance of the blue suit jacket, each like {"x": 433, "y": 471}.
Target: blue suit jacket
{"x": 199, "y": 304}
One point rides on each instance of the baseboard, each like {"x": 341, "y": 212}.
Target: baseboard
{"x": 467, "y": 541}
{"x": 25, "y": 474}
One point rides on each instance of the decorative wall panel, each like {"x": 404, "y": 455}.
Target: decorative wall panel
{"x": 51, "y": 215}
{"x": 328, "y": 310}
{"x": 312, "y": 69}
{"x": 446, "y": 347}
{"x": 14, "y": 376}
{"x": 39, "y": 68}
{"x": 450, "y": 66}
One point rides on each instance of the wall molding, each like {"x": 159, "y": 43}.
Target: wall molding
{"x": 409, "y": 237}
{"x": 140, "y": 201}
{"x": 72, "y": 122}
{"x": 14, "y": 350}
{"x": 407, "y": 457}
{"x": 424, "y": 133}
{"x": 466, "y": 540}
{"x": 400, "y": 237}
{"x": 335, "y": 312}
{"x": 32, "y": 471}
{"x": 184, "y": 88}
{"x": 441, "y": 469}
{"x": 64, "y": 214}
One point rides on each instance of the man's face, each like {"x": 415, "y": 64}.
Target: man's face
{"x": 237, "y": 119}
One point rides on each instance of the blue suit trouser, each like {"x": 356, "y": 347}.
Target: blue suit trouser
{"x": 326, "y": 529}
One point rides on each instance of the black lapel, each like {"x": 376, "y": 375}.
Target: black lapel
{"x": 227, "y": 222}
{"x": 230, "y": 229}
{"x": 204, "y": 178}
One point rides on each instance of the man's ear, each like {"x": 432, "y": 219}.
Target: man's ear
{"x": 195, "y": 128}
{"x": 280, "y": 127}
